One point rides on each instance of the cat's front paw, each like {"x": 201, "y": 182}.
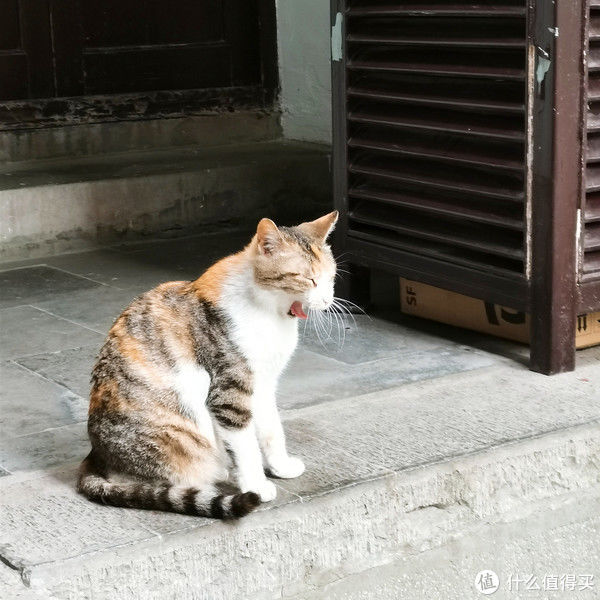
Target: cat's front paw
{"x": 286, "y": 467}
{"x": 266, "y": 489}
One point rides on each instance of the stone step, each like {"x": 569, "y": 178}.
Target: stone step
{"x": 206, "y": 130}
{"x": 53, "y": 206}
{"x": 408, "y": 494}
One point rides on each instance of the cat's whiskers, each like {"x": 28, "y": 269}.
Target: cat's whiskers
{"x": 348, "y": 305}
{"x": 344, "y": 309}
{"x": 316, "y": 318}
{"x": 340, "y": 327}
{"x": 326, "y": 324}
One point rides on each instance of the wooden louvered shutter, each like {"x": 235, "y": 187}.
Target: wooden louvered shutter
{"x": 436, "y": 131}
{"x": 457, "y": 152}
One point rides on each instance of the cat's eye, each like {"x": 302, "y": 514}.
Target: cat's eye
{"x": 313, "y": 282}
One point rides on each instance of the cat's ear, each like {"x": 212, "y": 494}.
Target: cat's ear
{"x": 320, "y": 228}
{"x": 269, "y": 238}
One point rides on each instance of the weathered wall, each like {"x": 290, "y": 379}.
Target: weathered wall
{"x": 303, "y": 31}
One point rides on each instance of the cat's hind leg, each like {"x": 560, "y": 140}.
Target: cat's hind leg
{"x": 169, "y": 464}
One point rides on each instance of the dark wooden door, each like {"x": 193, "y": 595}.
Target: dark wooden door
{"x": 67, "y": 48}
{"x": 116, "y": 46}
{"x": 26, "y": 69}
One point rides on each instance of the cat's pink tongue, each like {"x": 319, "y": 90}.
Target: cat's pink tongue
{"x": 297, "y": 310}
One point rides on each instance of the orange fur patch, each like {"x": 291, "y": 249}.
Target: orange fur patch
{"x": 105, "y": 397}
{"x": 209, "y": 286}
{"x": 133, "y": 350}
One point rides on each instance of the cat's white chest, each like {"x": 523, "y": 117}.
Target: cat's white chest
{"x": 258, "y": 326}
{"x": 267, "y": 341}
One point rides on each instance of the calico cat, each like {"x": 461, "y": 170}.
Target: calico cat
{"x": 185, "y": 382}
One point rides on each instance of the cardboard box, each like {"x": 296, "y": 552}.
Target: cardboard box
{"x": 428, "y": 302}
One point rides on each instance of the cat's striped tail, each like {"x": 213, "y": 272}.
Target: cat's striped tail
{"x": 162, "y": 496}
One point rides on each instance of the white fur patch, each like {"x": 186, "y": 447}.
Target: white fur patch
{"x": 192, "y": 383}
{"x": 176, "y": 497}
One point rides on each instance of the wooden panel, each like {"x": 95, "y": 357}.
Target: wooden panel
{"x": 13, "y": 74}
{"x": 137, "y": 70}
{"x": 114, "y": 23}
{"x": 432, "y": 146}
{"x": 202, "y": 44}
{"x": 10, "y": 37}
{"x": 242, "y": 33}
{"x": 67, "y": 43}
{"x": 37, "y": 43}
{"x": 25, "y": 58}
{"x": 492, "y": 286}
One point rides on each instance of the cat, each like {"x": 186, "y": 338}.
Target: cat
{"x": 184, "y": 385}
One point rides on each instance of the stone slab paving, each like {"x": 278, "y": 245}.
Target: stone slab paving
{"x": 313, "y": 378}
{"x": 27, "y": 330}
{"x": 36, "y": 283}
{"x": 437, "y": 419}
{"x": 56, "y": 311}
{"x": 30, "y": 403}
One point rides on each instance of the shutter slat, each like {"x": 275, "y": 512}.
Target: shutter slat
{"x": 437, "y": 10}
{"x": 459, "y": 70}
{"x": 593, "y": 149}
{"x": 592, "y": 237}
{"x": 441, "y": 42}
{"x": 474, "y": 242}
{"x": 483, "y": 105}
{"x": 473, "y": 260}
{"x": 594, "y": 88}
{"x": 593, "y": 122}
{"x": 595, "y": 28}
{"x": 447, "y": 183}
{"x": 592, "y": 208}
{"x": 460, "y": 124}
{"x": 592, "y": 178}
{"x": 447, "y": 208}
{"x": 594, "y": 59}
{"x": 473, "y": 157}
{"x": 591, "y": 264}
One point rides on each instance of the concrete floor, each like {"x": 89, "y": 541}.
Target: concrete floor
{"x": 400, "y": 394}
